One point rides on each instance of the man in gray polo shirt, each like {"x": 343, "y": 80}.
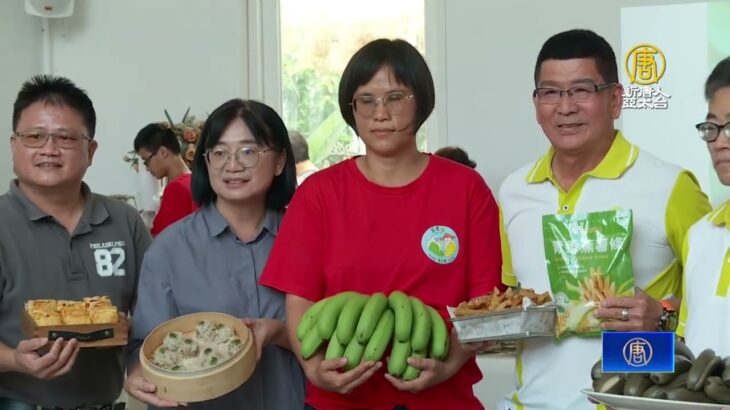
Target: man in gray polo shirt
{"x": 60, "y": 241}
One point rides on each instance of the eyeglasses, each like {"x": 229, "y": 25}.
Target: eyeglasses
{"x": 709, "y": 131}
{"x": 394, "y": 102}
{"x": 38, "y": 139}
{"x": 579, "y": 94}
{"x": 146, "y": 161}
{"x": 248, "y": 157}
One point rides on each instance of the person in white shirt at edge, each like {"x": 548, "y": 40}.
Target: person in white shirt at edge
{"x": 704, "y": 318}
{"x": 590, "y": 167}
{"x": 300, "y": 147}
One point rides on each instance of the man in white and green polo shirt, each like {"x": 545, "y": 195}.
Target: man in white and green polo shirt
{"x": 704, "y": 319}
{"x": 590, "y": 167}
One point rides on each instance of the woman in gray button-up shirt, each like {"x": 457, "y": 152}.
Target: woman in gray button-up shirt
{"x": 243, "y": 178}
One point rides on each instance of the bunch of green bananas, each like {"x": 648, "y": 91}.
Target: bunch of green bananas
{"x": 361, "y": 327}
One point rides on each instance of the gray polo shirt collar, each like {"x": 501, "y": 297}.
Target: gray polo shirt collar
{"x": 94, "y": 211}
{"x": 217, "y": 225}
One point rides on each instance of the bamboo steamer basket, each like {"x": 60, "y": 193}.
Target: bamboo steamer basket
{"x": 204, "y": 384}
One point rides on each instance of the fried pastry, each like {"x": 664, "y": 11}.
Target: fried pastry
{"x": 97, "y": 301}
{"x": 61, "y": 304}
{"x": 46, "y": 317}
{"x": 493, "y": 302}
{"x": 49, "y": 304}
{"x": 75, "y": 316}
{"x": 105, "y": 314}
{"x": 50, "y": 312}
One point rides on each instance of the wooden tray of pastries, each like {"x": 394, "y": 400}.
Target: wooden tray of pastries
{"x": 93, "y": 321}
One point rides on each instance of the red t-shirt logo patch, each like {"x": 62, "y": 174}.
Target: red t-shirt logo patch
{"x": 440, "y": 244}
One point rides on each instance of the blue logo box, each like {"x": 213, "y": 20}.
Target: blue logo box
{"x": 638, "y": 352}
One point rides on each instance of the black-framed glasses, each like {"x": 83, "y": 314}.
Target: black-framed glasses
{"x": 580, "y": 93}
{"x": 37, "y": 139}
{"x": 146, "y": 161}
{"x": 394, "y": 102}
{"x": 709, "y": 131}
{"x": 248, "y": 157}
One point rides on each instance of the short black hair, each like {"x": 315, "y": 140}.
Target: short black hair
{"x": 268, "y": 130}
{"x": 408, "y": 65}
{"x": 299, "y": 146}
{"x": 719, "y": 78}
{"x": 456, "y": 154}
{"x": 579, "y": 43}
{"x": 155, "y": 135}
{"x": 55, "y": 90}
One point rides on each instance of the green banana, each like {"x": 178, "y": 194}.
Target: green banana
{"x": 309, "y": 319}
{"x": 413, "y": 372}
{"x": 327, "y": 318}
{"x": 335, "y": 349}
{"x": 369, "y": 318}
{"x": 399, "y": 355}
{"x": 439, "y": 335}
{"x": 353, "y": 353}
{"x": 401, "y": 306}
{"x": 421, "y": 326}
{"x": 349, "y": 316}
{"x": 381, "y": 337}
{"x": 311, "y": 342}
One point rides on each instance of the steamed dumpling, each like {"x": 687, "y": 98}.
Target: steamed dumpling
{"x": 206, "y": 330}
{"x": 224, "y": 333}
{"x": 233, "y": 346}
{"x": 188, "y": 347}
{"x": 166, "y": 358}
{"x": 173, "y": 340}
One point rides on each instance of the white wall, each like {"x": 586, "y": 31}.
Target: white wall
{"x": 491, "y": 53}
{"x": 670, "y": 133}
{"x": 138, "y": 57}
{"x": 20, "y": 51}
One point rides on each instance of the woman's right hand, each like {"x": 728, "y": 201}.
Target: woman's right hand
{"x": 325, "y": 374}
{"x": 138, "y": 387}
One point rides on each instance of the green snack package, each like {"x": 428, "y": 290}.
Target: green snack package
{"x": 588, "y": 260}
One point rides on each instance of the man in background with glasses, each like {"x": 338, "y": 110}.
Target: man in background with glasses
{"x": 160, "y": 152}
{"x": 60, "y": 241}
{"x": 704, "y": 319}
{"x": 591, "y": 167}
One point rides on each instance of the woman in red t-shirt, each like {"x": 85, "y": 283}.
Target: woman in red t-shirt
{"x": 369, "y": 223}
{"x": 159, "y": 150}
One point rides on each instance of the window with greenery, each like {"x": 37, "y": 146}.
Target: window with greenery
{"x": 318, "y": 37}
